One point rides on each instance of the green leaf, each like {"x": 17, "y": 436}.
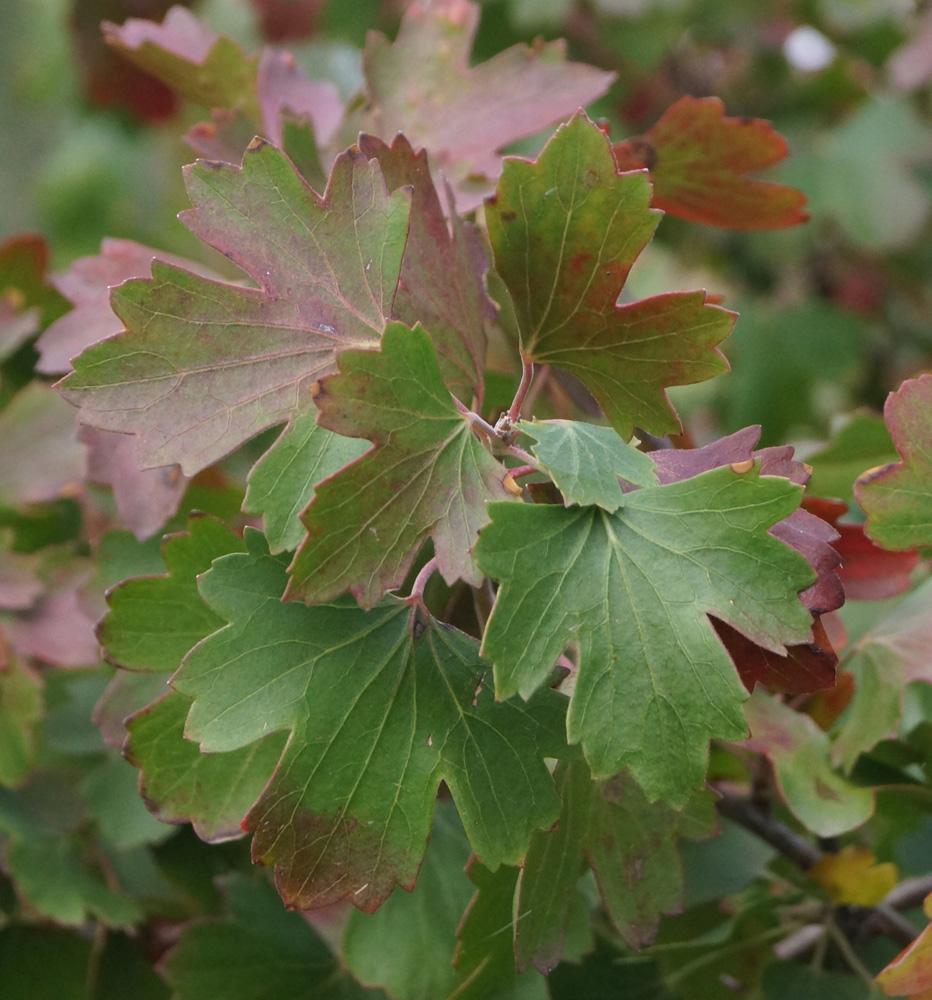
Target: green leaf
{"x": 21, "y": 705}
{"x": 565, "y": 230}
{"x": 586, "y": 461}
{"x": 111, "y": 796}
{"x": 257, "y": 951}
{"x": 897, "y": 497}
{"x": 382, "y": 705}
{"x": 821, "y": 799}
{"x": 203, "y": 366}
{"x": 630, "y": 844}
{"x": 213, "y": 792}
{"x": 631, "y": 591}
{"x": 153, "y": 621}
{"x": 49, "y": 871}
{"x": 418, "y": 964}
{"x": 891, "y": 655}
{"x": 485, "y": 951}
{"x": 428, "y": 475}
{"x": 282, "y": 482}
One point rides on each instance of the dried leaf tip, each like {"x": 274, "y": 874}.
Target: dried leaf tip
{"x": 513, "y": 488}
{"x": 742, "y": 467}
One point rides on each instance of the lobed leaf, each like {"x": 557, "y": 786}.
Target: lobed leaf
{"x": 630, "y": 845}
{"x": 699, "y": 160}
{"x": 382, "y": 705}
{"x": 463, "y": 115}
{"x": 427, "y": 475}
{"x": 442, "y": 283}
{"x": 632, "y": 592}
{"x": 153, "y": 621}
{"x": 819, "y": 797}
{"x": 204, "y": 365}
{"x": 888, "y": 657}
{"x": 586, "y": 462}
{"x": 897, "y": 497}
{"x": 282, "y": 482}
{"x": 565, "y": 230}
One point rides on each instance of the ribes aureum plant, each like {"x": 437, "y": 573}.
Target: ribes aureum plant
{"x": 477, "y": 625}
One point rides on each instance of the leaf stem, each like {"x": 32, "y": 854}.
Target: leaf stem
{"x": 527, "y": 376}
{"x": 523, "y": 470}
{"x": 475, "y": 420}
{"x": 420, "y": 582}
{"x": 525, "y": 457}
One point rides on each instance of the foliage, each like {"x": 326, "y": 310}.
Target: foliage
{"x": 399, "y": 596}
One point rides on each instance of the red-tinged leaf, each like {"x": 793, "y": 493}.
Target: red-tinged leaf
{"x": 211, "y": 70}
{"x": 826, "y": 707}
{"x": 565, "y": 230}
{"x": 56, "y": 629}
{"x": 811, "y": 536}
{"x": 699, "y": 160}
{"x": 910, "y": 973}
{"x": 820, "y": 798}
{"x": 282, "y": 86}
{"x": 891, "y": 655}
{"x": 867, "y": 572}
{"x": 422, "y": 84}
{"x": 40, "y": 459}
{"x": 283, "y": 20}
{"x": 145, "y": 498}
{"x": 442, "y": 276}
{"x": 187, "y": 55}
{"x": 897, "y": 497}
{"x": 805, "y": 668}
{"x": 204, "y": 365}
{"x": 86, "y": 285}
{"x": 427, "y": 475}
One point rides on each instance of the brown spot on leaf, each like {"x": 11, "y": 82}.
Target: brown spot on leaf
{"x": 257, "y": 142}
{"x": 508, "y": 215}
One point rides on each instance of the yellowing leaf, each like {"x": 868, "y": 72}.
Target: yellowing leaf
{"x": 853, "y": 877}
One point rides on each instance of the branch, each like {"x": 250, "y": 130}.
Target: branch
{"x": 880, "y": 919}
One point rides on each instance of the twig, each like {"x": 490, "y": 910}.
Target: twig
{"x": 770, "y": 829}
{"x": 879, "y": 919}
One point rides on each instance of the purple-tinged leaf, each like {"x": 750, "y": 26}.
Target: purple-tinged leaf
{"x": 203, "y": 365}
{"x": 422, "y": 84}
{"x": 442, "y": 276}
{"x": 86, "y": 285}
{"x": 897, "y": 497}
